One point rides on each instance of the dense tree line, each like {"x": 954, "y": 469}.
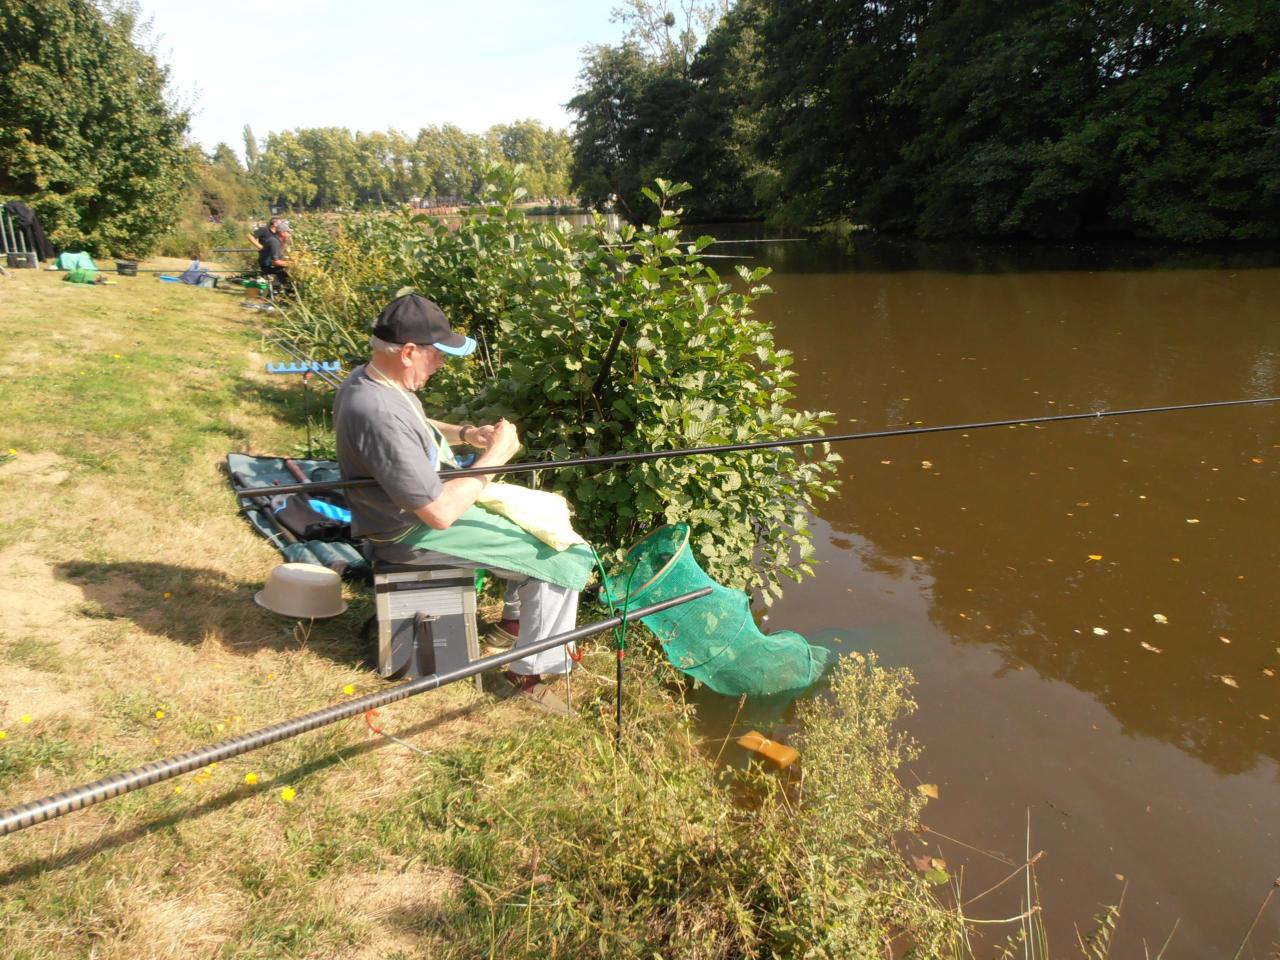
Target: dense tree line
{"x": 93, "y": 139}
{"x": 328, "y": 168}
{"x": 1048, "y": 118}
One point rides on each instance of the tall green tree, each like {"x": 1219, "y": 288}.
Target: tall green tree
{"x": 284, "y": 171}
{"x": 628, "y": 107}
{"x": 654, "y": 106}
{"x": 250, "y": 148}
{"x": 714, "y": 146}
{"x": 90, "y": 136}
{"x": 830, "y": 122}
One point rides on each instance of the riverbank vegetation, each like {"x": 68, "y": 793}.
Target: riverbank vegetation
{"x": 1050, "y": 120}
{"x": 131, "y": 634}
{"x": 595, "y": 342}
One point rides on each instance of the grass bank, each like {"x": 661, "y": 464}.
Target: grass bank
{"x": 129, "y": 633}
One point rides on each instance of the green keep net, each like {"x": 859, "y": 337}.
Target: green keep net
{"x": 714, "y": 639}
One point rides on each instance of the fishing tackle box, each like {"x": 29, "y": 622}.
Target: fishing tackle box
{"x": 426, "y": 620}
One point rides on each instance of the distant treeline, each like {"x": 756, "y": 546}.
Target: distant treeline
{"x": 1046, "y": 118}
{"x": 328, "y": 168}
{"x": 331, "y": 168}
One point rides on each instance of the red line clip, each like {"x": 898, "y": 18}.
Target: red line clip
{"x": 368, "y": 719}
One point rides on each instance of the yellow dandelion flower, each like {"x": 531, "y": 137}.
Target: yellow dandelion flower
{"x": 115, "y": 356}
{"x": 288, "y": 794}
{"x": 251, "y": 778}
{"x": 348, "y": 689}
{"x": 13, "y": 452}
{"x": 25, "y": 718}
{"x": 168, "y": 595}
{"x": 3, "y": 735}
{"x": 220, "y": 727}
{"x": 177, "y": 789}
{"x": 159, "y": 714}
{"x": 271, "y": 676}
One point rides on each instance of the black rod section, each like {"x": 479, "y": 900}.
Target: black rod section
{"x": 757, "y": 445}
{"x": 77, "y": 798}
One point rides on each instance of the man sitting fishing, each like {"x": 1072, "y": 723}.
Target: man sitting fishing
{"x": 413, "y": 516}
{"x": 271, "y": 258}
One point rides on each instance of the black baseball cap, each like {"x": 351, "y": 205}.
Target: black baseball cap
{"x": 415, "y": 319}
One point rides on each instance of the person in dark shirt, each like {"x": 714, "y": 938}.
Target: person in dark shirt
{"x": 271, "y": 260}
{"x": 259, "y": 236}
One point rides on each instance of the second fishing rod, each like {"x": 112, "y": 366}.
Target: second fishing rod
{"x": 812, "y": 440}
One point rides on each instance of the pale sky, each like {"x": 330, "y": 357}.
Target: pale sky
{"x": 390, "y": 64}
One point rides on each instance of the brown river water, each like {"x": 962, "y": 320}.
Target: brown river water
{"x": 1089, "y": 608}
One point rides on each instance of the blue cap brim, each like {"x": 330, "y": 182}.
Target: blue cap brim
{"x": 461, "y": 351}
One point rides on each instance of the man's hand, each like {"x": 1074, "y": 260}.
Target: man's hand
{"x": 460, "y": 493}
{"x": 504, "y": 443}
{"x": 480, "y": 437}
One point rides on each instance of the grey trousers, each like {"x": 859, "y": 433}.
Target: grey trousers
{"x": 543, "y": 609}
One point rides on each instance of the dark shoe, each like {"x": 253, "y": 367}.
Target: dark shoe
{"x": 503, "y": 634}
{"x": 531, "y": 688}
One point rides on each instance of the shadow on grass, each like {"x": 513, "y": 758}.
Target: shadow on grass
{"x": 190, "y": 605}
{"x": 128, "y": 835}
{"x": 284, "y": 396}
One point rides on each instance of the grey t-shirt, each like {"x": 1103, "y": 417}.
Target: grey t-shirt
{"x": 381, "y": 436}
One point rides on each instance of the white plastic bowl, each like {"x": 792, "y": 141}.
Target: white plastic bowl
{"x": 303, "y": 590}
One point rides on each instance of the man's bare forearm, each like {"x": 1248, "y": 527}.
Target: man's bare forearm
{"x": 458, "y": 495}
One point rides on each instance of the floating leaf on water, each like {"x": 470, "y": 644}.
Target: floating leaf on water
{"x": 886, "y": 462}
{"x": 1159, "y": 618}
{"x": 921, "y": 863}
{"x": 1257, "y": 459}
{"x": 926, "y": 464}
{"x": 1095, "y": 556}
{"x": 1152, "y": 647}
{"x": 1229, "y": 680}
{"x": 1100, "y": 631}
{"x": 1224, "y": 639}
{"x": 936, "y": 877}
{"x": 929, "y": 790}
{"x": 1268, "y": 672}
{"x": 1192, "y": 520}
{"x": 916, "y": 556}
{"x": 937, "y": 863}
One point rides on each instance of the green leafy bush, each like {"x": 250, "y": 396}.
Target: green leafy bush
{"x": 693, "y": 367}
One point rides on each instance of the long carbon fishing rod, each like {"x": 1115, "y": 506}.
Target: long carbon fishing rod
{"x": 77, "y": 798}
{"x": 645, "y": 455}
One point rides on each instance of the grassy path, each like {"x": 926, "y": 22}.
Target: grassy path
{"x": 128, "y": 632}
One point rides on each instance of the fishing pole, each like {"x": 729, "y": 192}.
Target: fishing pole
{"x": 646, "y": 455}
{"x": 77, "y": 798}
